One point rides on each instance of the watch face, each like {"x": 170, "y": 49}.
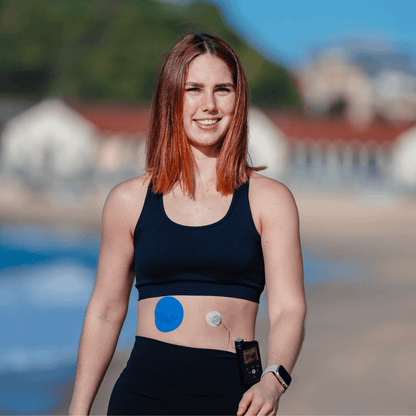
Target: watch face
{"x": 284, "y": 374}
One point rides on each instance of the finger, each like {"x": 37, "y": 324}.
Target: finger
{"x": 244, "y": 403}
{"x": 255, "y": 407}
{"x": 242, "y": 407}
{"x": 267, "y": 410}
{"x": 253, "y": 410}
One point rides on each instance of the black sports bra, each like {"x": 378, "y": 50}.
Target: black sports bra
{"x": 220, "y": 259}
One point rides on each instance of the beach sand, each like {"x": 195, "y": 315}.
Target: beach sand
{"x": 359, "y": 354}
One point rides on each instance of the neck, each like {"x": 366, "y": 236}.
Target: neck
{"x": 205, "y": 170}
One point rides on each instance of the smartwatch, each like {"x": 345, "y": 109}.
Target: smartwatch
{"x": 281, "y": 374}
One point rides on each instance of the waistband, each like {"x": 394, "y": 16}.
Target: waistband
{"x": 184, "y": 369}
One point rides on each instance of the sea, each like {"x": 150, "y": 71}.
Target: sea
{"x": 46, "y": 279}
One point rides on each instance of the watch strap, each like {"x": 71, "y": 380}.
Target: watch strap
{"x": 275, "y": 370}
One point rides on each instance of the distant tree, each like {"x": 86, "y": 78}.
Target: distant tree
{"x": 110, "y": 49}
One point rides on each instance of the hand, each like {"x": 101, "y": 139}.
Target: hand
{"x": 263, "y": 398}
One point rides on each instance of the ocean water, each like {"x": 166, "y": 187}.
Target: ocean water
{"x": 46, "y": 280}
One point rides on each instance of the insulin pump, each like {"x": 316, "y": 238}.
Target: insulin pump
{"x": 249, "y": 362}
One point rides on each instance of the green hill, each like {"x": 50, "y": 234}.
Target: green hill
{"x": 110, "y": 49}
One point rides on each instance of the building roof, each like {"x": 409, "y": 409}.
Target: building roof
{"x": 297, "y": 126}
{"x": 114, "y": 116}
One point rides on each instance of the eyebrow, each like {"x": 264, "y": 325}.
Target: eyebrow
{"x": 222, "y": 85}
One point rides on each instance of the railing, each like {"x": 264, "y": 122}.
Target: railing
{"x": 352, "y": 166}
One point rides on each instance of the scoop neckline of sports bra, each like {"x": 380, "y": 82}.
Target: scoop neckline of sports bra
{"x": 176, "y": 224}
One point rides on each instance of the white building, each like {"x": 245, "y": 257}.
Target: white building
{"x": 48, "y": 143}
{"x": 404, "y": 158}
{"x": 267, "y": 145}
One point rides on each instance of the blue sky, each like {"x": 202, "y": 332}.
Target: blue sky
{"x": 288, "y": 30}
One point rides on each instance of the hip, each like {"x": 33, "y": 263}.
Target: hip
{"x": 184, "y": 369}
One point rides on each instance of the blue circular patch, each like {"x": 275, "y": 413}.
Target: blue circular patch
{"x": 168, "y": 314}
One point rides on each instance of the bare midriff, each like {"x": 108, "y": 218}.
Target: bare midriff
{"x": 238, "y": 318}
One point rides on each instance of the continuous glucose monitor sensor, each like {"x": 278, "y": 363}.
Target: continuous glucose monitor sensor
{"x": 213, "y": 318}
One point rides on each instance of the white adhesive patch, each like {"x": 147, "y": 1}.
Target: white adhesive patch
{"x": 213, "y": 318}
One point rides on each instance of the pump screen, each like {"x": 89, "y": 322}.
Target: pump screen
{"x": 250, "y": 355}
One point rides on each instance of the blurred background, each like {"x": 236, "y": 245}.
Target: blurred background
{"x": 333, "y": 116}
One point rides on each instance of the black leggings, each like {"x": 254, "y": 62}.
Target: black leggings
{"x": 168, "y": 379}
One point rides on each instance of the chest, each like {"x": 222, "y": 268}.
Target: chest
{"x": 204, "y": 209}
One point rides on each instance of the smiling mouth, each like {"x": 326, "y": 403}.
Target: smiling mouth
{"x": 208, "y": 122}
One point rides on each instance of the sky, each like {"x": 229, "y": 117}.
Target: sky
{"x": 288, "y": 31}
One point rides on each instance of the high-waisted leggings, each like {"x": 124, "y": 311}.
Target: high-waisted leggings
{"x": 168, "y": 379}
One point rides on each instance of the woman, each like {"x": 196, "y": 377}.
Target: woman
{"x": 203, "y": 232}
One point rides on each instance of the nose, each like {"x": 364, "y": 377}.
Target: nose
{"x": 209, "y": 102}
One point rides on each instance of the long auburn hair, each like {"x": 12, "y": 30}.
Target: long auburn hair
{"x": 169, "y": 156}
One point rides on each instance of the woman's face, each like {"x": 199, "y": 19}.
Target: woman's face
{"x": 208, "y": 105}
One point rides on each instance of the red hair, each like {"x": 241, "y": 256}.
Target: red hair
{"x": 169, "y": 156}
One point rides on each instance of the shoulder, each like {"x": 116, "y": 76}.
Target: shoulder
{"x": 269, "y": 192}
{"x": 125, "y": 202}
{"x": 128, "y": 191}
{"x": 271, "y": 200}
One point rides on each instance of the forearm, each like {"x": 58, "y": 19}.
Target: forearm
{"x": 286, "y": 338}
{"x": 285, "y": 341}
{"x": 97, "y": 345}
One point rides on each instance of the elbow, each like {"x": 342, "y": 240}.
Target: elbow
{"x": 116, "y": 317}
{"x": 299, "y": 313}
{"x": 296, "y": 308}
{"x": 304, "y": 309}
{"x": 299, "y": 308}
{"x": 294, "y": 313}
{"x": 113, "y": 313}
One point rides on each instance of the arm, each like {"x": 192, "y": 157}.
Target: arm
{"x": 108, "y": 305}
{"x": 285, "y": 293}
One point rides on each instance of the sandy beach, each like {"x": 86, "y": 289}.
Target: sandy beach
{"x": 359, "y": 354}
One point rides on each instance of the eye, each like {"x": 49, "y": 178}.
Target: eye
{"x": 192, "y": 89}
{"x": 224, "y": 90}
